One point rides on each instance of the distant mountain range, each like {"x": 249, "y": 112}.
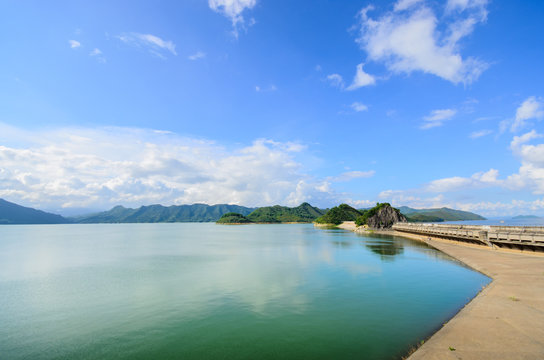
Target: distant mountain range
{"x": 278, "y": 214}
{"x": 159, "y": 213}
{"x": 526, "y": 217}
{"x": 11, "y": 213}
{"x": 437, "y": 215}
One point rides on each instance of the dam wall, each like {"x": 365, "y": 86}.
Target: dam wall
{"x": 529, "y": 238}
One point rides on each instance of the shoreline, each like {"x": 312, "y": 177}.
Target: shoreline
{"x": 503, "y": 321}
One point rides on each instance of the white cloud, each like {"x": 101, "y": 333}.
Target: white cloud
{"x": 197, "y": 55}
{"x": 361, "y": 79}
{"x": 405, "y": 4}
{"x": 416, "y": 40}
{"x": 357, "y": 106}
{"x": 98, "y": 55}
{"x": 480, "y": 133}
{"x": 266, "y": 89}
{"x": 336, "y": 80}
{"x": 478, "y": 6}
{"x": 100, "y": 168}
{"x": 457, "y": 183}
{"x": 531, "y": 108}
{"x": 233, "y": 9}
{"x": 154, "y": 44}
{"x": 74, "y": 44}
{"x": 531, "y": 172}
{"x": 437, "y": 118}
{"x": 95, "y": 52}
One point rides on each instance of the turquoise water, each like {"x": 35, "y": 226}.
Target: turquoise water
{"x": 195, "y": 291}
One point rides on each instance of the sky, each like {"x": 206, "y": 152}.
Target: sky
{"x": 422, "y": 103}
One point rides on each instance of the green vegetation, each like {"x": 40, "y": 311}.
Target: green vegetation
{"x": 418, "y": 217}
{"x": 303, "y": 213}
{"x": 159, "y": 213}
{"x": 363, "y": 219}
{"x": 11, "y": 213}
{"x": 339, "y": 214}
{"x": 442, "y": 214}
{"x": 383, "y": 215}
{"x": 233, "y": 218}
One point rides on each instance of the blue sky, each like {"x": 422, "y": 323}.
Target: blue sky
{"x": 258, "y": 102}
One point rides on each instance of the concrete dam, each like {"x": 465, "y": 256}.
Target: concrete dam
{"x": 527, "y": 238}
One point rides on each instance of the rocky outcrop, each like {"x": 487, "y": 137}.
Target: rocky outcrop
{"x": 385, "y": 217}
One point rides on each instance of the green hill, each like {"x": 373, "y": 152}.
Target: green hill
{"x": 11, "y": 213}
{"x": 383, "y": 215}
{"x": 304, "y": 213}
{"x": 159, "y": 213}
{"x": 233, "y": 218}
{"x": 339, "y": 214}
{"x": 437, "y": 215}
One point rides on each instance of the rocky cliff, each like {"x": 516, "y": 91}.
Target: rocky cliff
{"x": 381, "y": 216}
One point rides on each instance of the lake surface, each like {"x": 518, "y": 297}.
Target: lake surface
{"x": 194, "y": 291}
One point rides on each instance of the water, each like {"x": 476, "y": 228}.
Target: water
{"x": 193, "y": 291}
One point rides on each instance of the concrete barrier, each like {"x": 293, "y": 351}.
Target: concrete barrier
{"x": 518, "y": 237}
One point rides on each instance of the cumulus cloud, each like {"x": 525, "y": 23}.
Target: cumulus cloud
{"x": 412, "y": 38}
{"x": 357, "y": 106}
{"x": 457, "y": 183}
{"x": 154, "y": 44}
{"x": 530, "y": 177}
{"x": 100, "y": 168}
{"x": 74, "y": 44}
{"x": 233, "y": 9}
{"x": 531, "y": 108}
{"x": 361, "y": 79}
{"x": 437, "y": 118}
{"x": 531, "y": 172}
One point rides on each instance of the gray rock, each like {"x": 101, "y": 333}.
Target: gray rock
{"x": 385, "y": 218}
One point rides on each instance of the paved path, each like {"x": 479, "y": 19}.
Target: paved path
{"x": 505, "y": 321}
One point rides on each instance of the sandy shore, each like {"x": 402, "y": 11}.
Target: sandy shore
{"x": 505, "y": 321}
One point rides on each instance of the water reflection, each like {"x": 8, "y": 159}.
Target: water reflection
{"x": 209, "y": 285}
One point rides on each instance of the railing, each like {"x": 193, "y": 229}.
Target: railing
{"x": 509, "y": 236}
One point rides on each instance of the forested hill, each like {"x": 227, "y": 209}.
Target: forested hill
{"x": 280, "y": 214}
{"x": 437, "y": 215}
{"x": 159, "y": 213}
{"x": 11, "y": 213}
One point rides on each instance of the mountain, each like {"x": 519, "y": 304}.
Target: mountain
{"x": 233, "y": 218}
{"x": 526, "y": 217}
{"x": 380, "y": 216}
{"x": 279, "y": 214}
{"x": 159, "y": 213}
{"x": 11, "y": 213}
{"x": 339, "y": 214}
{"x": 436, "y": 215}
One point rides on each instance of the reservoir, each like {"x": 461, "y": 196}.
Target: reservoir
{"x": 200, "y": 290}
